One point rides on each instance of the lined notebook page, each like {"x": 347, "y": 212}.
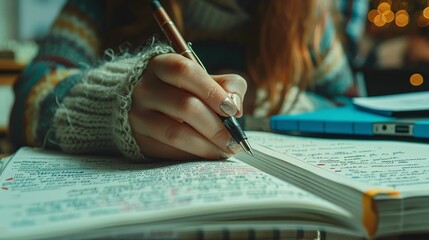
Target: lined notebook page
{"x": 392, "y": 164}
{"x": 45, "y": 192}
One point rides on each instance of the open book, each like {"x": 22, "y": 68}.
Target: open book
{"x": 383, "y": 184}
{"x": 298, "y": 188}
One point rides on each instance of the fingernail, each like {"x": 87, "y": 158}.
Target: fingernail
{"x": 233, "y": 146}
{"x": 228, "y": 107}
{"x": 237, "y": 101}
{"x": 224, "y": 155}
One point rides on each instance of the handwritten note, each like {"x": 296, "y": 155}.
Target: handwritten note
{"x": 40, "y": 191}
{"x": 393, "y": 164}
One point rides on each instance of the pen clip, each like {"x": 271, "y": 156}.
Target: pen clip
{"x": 198, "y": 59}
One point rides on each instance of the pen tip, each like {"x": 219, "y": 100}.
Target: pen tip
{"x": 246, "y": 147}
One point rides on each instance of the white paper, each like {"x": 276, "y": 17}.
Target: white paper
{"x": 417, "y": 101}
{"x": 371, "y": 163}
{"x": 50, "y": 193}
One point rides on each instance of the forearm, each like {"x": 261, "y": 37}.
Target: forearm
{"x": 65, "y": 99}
{"x": 94, "y": 116}
{"x": 88, "y": 110}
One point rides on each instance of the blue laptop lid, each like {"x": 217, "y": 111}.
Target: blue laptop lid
{"x": 343, "y": 120}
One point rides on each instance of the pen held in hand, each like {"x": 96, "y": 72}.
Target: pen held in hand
{"x": 180, "y": 46}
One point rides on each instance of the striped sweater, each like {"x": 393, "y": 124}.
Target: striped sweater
{"x": 75, "y": 95}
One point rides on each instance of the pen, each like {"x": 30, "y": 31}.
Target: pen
{"x": 185, "y": 49}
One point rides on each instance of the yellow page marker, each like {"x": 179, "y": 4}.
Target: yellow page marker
{"x": 370, "y": 211}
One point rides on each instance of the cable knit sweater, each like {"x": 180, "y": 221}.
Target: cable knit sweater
{"x": 68, "y": 98}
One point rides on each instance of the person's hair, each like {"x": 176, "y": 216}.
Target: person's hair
{"x": 278, "y": 59}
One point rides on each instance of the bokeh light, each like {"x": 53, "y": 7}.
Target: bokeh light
{"x": 402, "y": 19}
{"x": 405, "y": 14}
{"x": 402, "y": 12}
{"x": 389, "y": 15}
{"x": 426, "y": 12}
{"x": 372, "y": 14}
{"x": 383, "y": 7}
{"x": 416, "y": 79}
{"x": 379, "y": 20}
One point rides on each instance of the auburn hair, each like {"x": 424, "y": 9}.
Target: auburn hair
{"x": 280, "y": 58}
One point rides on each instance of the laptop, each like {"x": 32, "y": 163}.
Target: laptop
{"x": 350, "y": 120}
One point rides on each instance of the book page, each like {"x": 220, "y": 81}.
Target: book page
{"x": 53, "y": 193}
{"x": 360, "y": 163}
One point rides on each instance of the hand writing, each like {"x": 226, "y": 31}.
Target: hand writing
{"x": 175, "y": 110}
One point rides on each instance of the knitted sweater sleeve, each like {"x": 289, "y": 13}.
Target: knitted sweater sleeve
{"x": 68, "y": 99}
{"x": 93, "y": 116}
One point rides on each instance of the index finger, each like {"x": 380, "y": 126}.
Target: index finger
{"x": 183, "y": 73}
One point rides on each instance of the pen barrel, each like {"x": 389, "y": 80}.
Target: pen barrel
{"x": 234, "y": 128}
{"x": 173, "y": 35}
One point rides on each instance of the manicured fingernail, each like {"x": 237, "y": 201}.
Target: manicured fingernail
{"x": 237, "y": 101}
{"x": 228, "y": 107}
{"x": 233, "y": 146}
{"x": 224, "y": 155}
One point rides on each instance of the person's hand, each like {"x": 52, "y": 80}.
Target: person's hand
{"x": 175, "y": 108}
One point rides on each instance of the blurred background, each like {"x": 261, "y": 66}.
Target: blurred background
{"x": 22, "y": 24}
{"x": 395, "y": 51}
{"x": 392, "y": 58}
